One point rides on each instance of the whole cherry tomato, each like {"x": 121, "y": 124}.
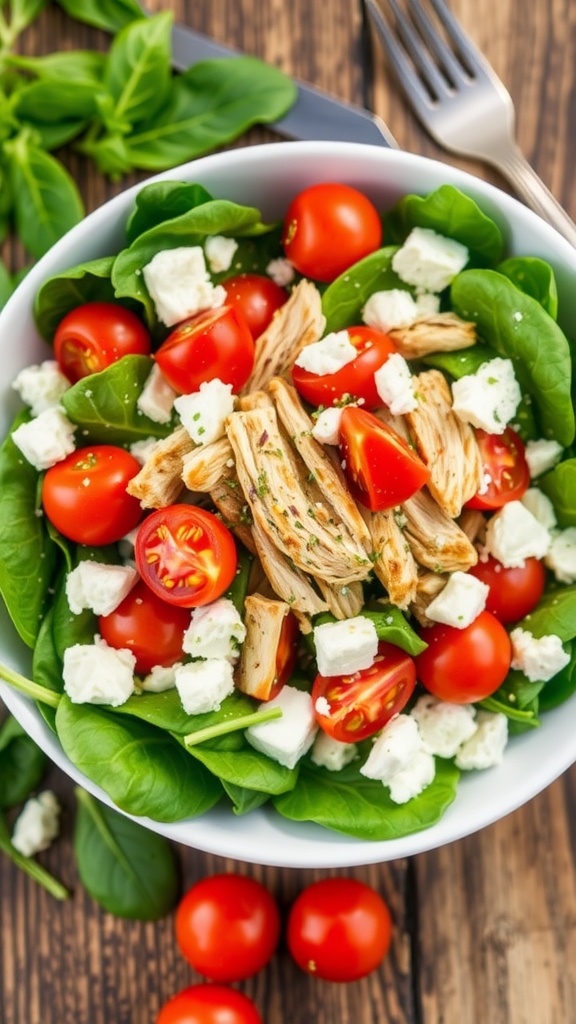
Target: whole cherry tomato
{"x": 381, "y": 469}
{"x": 514, "y": 592}
{"x": 505, "y": 469}
{"x": 215, "y": 343}
{"x": 95, "y": 335}
{"x": 356, "y": 378}
{"x": 148, "y": 626}
{"x": 465, "y": 665}
{"x": 257, "y": 297}
{"x": 209, "y": 1004}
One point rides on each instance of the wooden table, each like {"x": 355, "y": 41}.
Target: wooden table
{"x": 485, "y": 930}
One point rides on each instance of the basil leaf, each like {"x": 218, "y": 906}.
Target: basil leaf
{"x": 138, "y": 70}
{"x": 449, "y": 212}
{"x": 56, "y": 112}
{"x": 71, "y": 66}
{"x": 87, "y": 282}
{"x": 22, "y": 764}
{"x": 111, "y": 15}
{"x": 560, "y": 486}
{"x": 344, "y": 299}
{"x": 535, "y": 277}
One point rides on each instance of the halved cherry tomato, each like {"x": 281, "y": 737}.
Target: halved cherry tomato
{"x": 356, "y": 378}
{"x": 209, "y": 1004}
{"x": 339, "y": 929}
{"x": 514, "y": 592}
{"x": 257, "y": 297}
{"x": 215, "y": 343}
{"x": 148, "y": 626}
{"x": 381, "y": 468}
{"x": 95, "y": 335}
{"x": 464, "y": 665}
{"x": 285, "y": 653}
{"x": 85, "y": 496}
{"x": 505, "y": 468}
{"x": 185, "y": 555}
{"x": 328, "y": 227}
{"x": 360, "y": 704}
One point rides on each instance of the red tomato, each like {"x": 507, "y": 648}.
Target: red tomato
{"x": 94, "y": 335}
{"x": 257, "y": 297}
{"x": 381, "y": 468}
{"x": 356, "y": 378}
{"x": 215, "y": 343}
{"x": 185, "y": 555}
{"x": 464, "y": 665}
{"x": 85, "y": 497}
{"x": 514, "y": 592}
{"x": 148, "y": 626}
{"x": 227, "y": 926}
{"x": 339, "y": 929}
{"x": 327, "y": 228}
{"x": 361, "y": 703}
{"x": 209, "y": 1004}
{"x": 505, "y": 468}
{"x": 286, "y": 653}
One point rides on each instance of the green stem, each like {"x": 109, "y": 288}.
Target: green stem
{"x": 514, "y": 714}
{"x": 33, "y": 690}
{"x": 232, "y": 725}
{"x": 31, "y": 867}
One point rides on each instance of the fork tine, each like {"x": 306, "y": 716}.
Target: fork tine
{"x": 454, "y": 70}
{"x": 426, "y": 84}
{"x": 476, "y": 63}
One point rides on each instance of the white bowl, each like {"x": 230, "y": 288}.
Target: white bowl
{"x": 267, "y": 177}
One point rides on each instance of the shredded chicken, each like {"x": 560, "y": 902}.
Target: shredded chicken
{"x": 264, "y": 619}
{"x": 236, "y": 515}
{"x": 395, "y": 565}
{"x": 436, "y": 540}
{"x": 204, "y": 466}
{"x": 441, "y": 332}
{"x": 288, "y": 583}
{"x": 299, "y": 322}
{"x": 474, "y": 525}
{"x": 343, "y": 602}
{"x": 159, "y": 482}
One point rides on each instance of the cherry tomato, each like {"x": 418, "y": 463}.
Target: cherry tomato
{"x": 92, "y": 336}
{"x": 514, "y": 592}
{"x": 148, "y": 626}
{"x": 257, "y": 297}
{"x": 339, "y": 929}
{"x": 215, "y": 343}
{"x": 227, "y": 926}
{"x": 327, "y": 228}
{"x": 360, "y": 704}
{"x": 85, "y": 497}
{"x": 356, "y": 378}
{"x": 464, "y": 665}
{"x": 209, "y": 1004}
{"x": 285, "y": 653}
{"x": 381, "y": 469}
{"x": 185, "y": 555}
{"x": 505, "y": 468}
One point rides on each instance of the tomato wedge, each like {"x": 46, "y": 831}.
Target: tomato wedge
{"x": 505, "y": 468}
{"x": 358, "y": 705}
{"x": 356, "y": 378}
{"x": 381, "y": 468}
{"x": 215, "y": 343}
{"x": 185, "y": 555}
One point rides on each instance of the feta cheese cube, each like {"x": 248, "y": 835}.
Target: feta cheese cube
{"x": 328, "y": 355}
{"x": 161, "y": 678}
{"x": 487, "y": 399}
{"x": 542, "y": 455}
{"x": 413, "y": 779}
{"x": 443, "y": 726}
{"x": 395, "y": 386}
{"x": 486, "y": 746}
{"x": 286, "y": 739}
{"x": 330, "y": 753}
{"x": 204, "y": 413}
{"x": 326, "y": 429}
{"x": 37, "y": 824}
{"x": 41, "y": 386}
{"x": 429, "y": 261}
{"x": 345, "y": 647}
{"x": 179, "y": 284}
{"x": 156, "y": 400}
{"x": 460, "y": 601}
{"x": 540, "y": 506}
{"x": 219, "y": 252}
{"x": 98, "y": 674}
{"x": 539, "y": 658}
{"x": 561, "y": 555}
{"x": 203, "y": 685}
{"x": 98, "y": 587}
{"x": 394, "y": 749}
{"x": 281, "y": 271}
{"x": 389, "y": 309}
{"x": 513, "y": 534}
{"x": 47, "y": 439}
{"x": 216, "y": 630}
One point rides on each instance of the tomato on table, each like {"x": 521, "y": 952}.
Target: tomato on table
{"x": 328, "y": 227}
{"x": 148, "y": 626}
{"x": 209, "y": 1004}
{"x": 382, "y": 470}
{"x": 505, "y": 469}
{"x": 85, "y": 496}
{"x": 362, "y": 703}
{"x": 339, "y": 929}
{"x": 257, "y": 297}
{"x": 215, "y": 343}
{"x": 227, "y": 926}
{"x": 514, "y": 591}
{"x": 464, "y": 665}
{"x": 185, "y": 555}
{"x": 93, "y": 336}
{"x": 356, "y": 378}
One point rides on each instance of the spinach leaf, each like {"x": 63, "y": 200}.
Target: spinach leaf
{"x": 111, "y": 15}
{"x": 233, "y": 760}
{"x": 87, "y": 282}
{"x": 560, "y": 486}
{"x": 160, "y": 201}
{"x": 517, "y": 698}
{"x": 137, "y": 74}
{"x": 30, "y": 866}
{"x": 449, "y": 212}
{"x": 67, "y": 627}
{"x": 390, "y": 625}
{"x": 561, "y": 686}
{"x": 163, "y": 710}
{"x": 244, "y": 800}
{"x": 555, "y": 613}
{"x": 47, "y": 666}
{"x": 127, "y": 869}
{"x": 516, "y": 326}
{"x": 535, "y": 277}
{"x": 22, "y": 764}
{"x": 344, "y": 299}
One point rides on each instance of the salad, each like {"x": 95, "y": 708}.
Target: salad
{"x": 289, "y": 518}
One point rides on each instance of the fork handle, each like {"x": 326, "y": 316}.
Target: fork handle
{"x": 532, "y": 190}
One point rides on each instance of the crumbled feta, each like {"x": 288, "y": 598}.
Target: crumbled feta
{"x": 47, "y": 439}
{"x": 321, "y": 706}
{"x": 204, "y": 413}
{"x": 142, "y": 450}
{"x": 41, "y": 386}
{"x": 98, "y": 674}
{"x": 203, "y": 685}
{"x": 542, "y": 455}
{"x": 460, "y": 601}
{"x": 345, "y": 647}
{"x": 98, "y": 587}
{"x": 281, "y": 271}
{"x": 443, "y": 726}
{"x": 394, "y": 749}
{"x": 216, "y": 630}
{"x": 330, "y": 753}
{"x": 488, "y": 399}
{"x": 286, "y": 739}
{"x": 37, "y": 824}
{"x": 429, "y": 261}
{"x": 427, "y": 304}
{"x": 485, "y": 748}
{"x": 156, "y": 400}
{"x": 413, "y": 779}
{"x": 219, "y": 252}
{"x": 561, "y": 555}
{"x": 328, "y": 355}
{"x": 160, "y": 678}
{"x": 395, "y": 385}
{"x": 326, "y": 429}
{"x": 540, "y": 506}
{"x": 179, "y": 284}
{"x": 513, "y": 534}
{"x": 539, "y": 658}
{"x": 389, "y": 309}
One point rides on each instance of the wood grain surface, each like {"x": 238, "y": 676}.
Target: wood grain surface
{"x": 485, "y": 929}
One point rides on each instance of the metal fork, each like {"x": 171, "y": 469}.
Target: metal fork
{"x": 458, "y": 97}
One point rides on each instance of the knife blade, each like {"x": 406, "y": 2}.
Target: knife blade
{"x": 316, "y": 115}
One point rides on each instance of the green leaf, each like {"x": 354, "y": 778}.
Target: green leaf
{"x": 56, "y": 112}
{"x": 47, "y": 666}
{"x": 535, "y": 277}
{"x": 555, "y": 613}
{"x": 111, "y": 15}
{"x": 22, "y": 764}
{"x": 453, "y": 214}
{"x": 390, "y": 625}
{"x": 244, "y": 800}
{"x": 562, "y": 685}
{"x": 30, "y": 866}
{"x": 6, "y": 284}
{"x": 127, "y": 869}
{"x": 78, "y": 66}
{"x": 244, "y": 766}
{"x": 138, "y": 69}
{"x": 163, "y": 200}
{"x": 560, "y": 486}
{"x": 22, "y": 14}
{"x": 344, "y": 298}
{"x": 87, "y": 282}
